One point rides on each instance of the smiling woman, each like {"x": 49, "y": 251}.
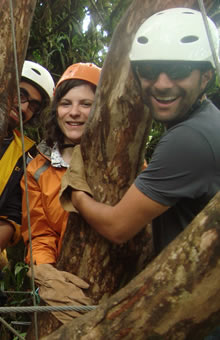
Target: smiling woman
{"x": 73, "y": 97}
{"x": 73, "y": 111}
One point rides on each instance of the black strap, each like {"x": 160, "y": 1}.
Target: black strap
{"x": 68, "y": 146}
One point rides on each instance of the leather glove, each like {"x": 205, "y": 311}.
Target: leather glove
{"x": 73, "y": 179}
{"x": 60, "y": 288}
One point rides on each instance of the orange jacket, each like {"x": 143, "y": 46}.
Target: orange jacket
{"x": 48, "y": 219}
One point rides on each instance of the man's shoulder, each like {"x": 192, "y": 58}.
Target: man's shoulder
{"x": 207, "y": 112}
{"x": 205, "y": 120}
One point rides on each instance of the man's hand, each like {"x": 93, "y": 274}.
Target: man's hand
{"x": 73, "y": 179}
{"x": 6, "y": 233}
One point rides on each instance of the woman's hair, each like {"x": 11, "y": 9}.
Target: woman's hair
{"x": 53, "y": 132}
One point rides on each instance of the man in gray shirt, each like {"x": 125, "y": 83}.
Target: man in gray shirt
{"x": 174, "y": 66}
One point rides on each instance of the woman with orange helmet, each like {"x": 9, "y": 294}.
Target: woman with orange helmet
{"x": 73, "y": 98}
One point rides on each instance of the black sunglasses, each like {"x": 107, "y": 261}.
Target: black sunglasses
{"x": 175, "y": 71}
{"x": 34, "y": 105}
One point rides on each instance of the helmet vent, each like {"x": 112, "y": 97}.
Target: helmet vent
{"x": 36, "y": 71}
{"x": 189, "y": 39}
{"x": 142, "y": 40}
{"x": 188, "y": 13}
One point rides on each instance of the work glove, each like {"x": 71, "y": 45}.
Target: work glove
{"x": 60, "y": 288}
{"x": 73, "y": 179}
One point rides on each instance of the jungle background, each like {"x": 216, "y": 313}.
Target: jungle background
{"x": 64, "y": 32}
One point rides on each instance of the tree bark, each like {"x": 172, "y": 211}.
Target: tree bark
{"x": 23, "y": 12}
{"x": 113, "y": 148}
{"x": 177, "y": 296}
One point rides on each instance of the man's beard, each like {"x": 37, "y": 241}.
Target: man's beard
{"x": 175, "y": 116}
{"x": 12, "y": 122}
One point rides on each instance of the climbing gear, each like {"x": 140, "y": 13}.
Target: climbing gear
{"x": 38, "y": 75}
{"x": 175, "y": 34}
{"x": 85, "y": 71}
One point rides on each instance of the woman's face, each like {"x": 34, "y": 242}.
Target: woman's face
{"x": 72, "y": 112}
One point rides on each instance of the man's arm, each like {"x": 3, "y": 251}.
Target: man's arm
{"x": 6, "y": 233}
{"x": 10, "y": 216}
{"x": 121, "y": 222}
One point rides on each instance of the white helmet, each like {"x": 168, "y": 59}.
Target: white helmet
{"x": 38, "y": 75}
{"x": 175, "y": 34}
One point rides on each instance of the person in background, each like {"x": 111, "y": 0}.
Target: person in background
{"x": 36, "y": 89}
{"x": 73, "y": 97}
{"x": 174, "y": 68}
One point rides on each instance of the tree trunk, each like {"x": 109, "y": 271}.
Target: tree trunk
{"x": 113, "y": 148}
{"x": 23, "y": 12}
{"x": 176, "y": 297}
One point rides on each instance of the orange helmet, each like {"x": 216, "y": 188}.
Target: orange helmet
{"x": 85, "y": 71}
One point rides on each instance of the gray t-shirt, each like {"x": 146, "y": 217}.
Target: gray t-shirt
{"x": 184, "y": 172}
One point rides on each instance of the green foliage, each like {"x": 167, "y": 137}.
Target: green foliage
{"x": 16, "y": 284}
{"x": 59, "y": 37}
{"x": 155, "y": 134}
{"x": 21, "y": 334}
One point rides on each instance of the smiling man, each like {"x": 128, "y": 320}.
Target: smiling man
{"x": 173, "y": 63}
{"x": 36, "y": 89}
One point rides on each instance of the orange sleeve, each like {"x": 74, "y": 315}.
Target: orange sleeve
{"x": 44, "y": 238}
